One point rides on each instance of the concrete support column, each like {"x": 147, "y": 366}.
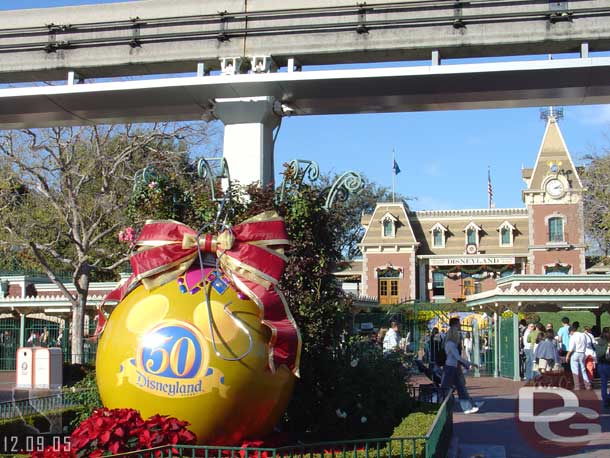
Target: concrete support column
{"x": 248, "y": 137}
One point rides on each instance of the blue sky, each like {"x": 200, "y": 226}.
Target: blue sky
{"x": 443, "y": 155}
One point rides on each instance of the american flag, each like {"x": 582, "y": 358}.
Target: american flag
{"x": 490, "y": 192}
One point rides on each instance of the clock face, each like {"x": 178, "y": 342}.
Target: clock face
{"x": 554, "y": 187}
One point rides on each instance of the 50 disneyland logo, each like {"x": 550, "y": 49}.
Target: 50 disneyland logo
{"x": 172, "y": 361}
{"x": 554, "y": 418}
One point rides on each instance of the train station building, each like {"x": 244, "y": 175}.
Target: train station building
{"x": 448, "y": 255}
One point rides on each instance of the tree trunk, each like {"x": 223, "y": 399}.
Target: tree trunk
{"x": 78, "y": 324}
{"x": 78, "y": 315}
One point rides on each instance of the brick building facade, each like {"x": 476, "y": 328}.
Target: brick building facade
{"x": 446, "y": 255}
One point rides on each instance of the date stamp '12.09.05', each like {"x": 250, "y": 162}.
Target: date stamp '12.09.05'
{"x": 25, "y": 444}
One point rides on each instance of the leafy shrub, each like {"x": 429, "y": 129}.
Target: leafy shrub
{"x": 73, "y": 373}
{"x": 416, "y": 424}
{"x": 85, "y": 395}
{"x": 354, "y": 392}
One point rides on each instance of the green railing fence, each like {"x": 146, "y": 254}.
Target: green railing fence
{"x": 435, "y": 444}
{"x": 34, "y": 329}
{"x": 25, "y": 405}
{"x": 507, "y": 346}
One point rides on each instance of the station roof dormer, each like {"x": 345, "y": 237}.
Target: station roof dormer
{"x": 388, "y": 225}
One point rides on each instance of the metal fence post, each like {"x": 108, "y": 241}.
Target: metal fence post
{"x": 476, "y": 348}
{"x": 22, "y": 330}
{"x": 515, "y": 337}
{"x": 497, "y": 351}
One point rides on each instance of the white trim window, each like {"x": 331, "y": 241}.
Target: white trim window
{"x": 438, "y": 235}
{"x": 556, "y": 226}
{"x": 506, "y": 234}
{"x": 471, "y": 234}
{"x": 388, "y": 225}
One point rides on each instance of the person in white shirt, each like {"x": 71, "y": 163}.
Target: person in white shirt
{"x": 467, "y": 347}
{"x": 451, "y": 377}
{"x": 576, "y": 357}
{"x": 529, "y": 353}
{"x": 391, "y": 341}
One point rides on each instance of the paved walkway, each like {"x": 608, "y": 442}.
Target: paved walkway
{"x": 495, "y": 432}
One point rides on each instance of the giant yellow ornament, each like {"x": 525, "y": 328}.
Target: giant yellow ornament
{"x": 159, "y": 353}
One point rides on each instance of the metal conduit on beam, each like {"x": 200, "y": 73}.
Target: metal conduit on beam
{"x": 396, "y": 6}
{"x": 142, "y": 39}
{"x": 274, "y": 14}
{"x": 271, "y": 30}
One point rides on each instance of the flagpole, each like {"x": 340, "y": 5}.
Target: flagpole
{"x": 393, "y": 172}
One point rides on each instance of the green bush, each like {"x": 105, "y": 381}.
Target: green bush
{"x": 353, "y": 392}
{"x": 416, "y": 424}
{"x": 73, "y": 373}
{"x": 85, "y": 395}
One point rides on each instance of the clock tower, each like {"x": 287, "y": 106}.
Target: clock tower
{"x": 555, "y": 209}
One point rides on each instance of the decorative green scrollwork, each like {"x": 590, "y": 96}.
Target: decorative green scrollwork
{"x": 349, "y": 183}
{"x": 205, "y": 171}
{"x": 296, "y": 171}
{"x": 145, "y": 176}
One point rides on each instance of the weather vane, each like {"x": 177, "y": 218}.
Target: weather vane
{"x": 551, "y": 112}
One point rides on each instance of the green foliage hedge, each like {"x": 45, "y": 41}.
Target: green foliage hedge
{"x": 85, "y": 395}
{"x": 416, "y": 424}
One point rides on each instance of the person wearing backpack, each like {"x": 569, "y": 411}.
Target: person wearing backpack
{"x": 454, "y": 361}
{"x": 590, "y": 354}
{"x": 602, "y": 351}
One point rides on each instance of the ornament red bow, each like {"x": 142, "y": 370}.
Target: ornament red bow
{"x": 250, "y": 254}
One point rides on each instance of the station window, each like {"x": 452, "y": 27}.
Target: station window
{"x": 388, "y": 228}
{"x": 556, "y": 229}
{"x": 438, "y": 238}
{"x": 438, "y": 284}
{"x": 471, "y": 237}
{"x": 557, "y": 269}
{"x": 506, "y": 239}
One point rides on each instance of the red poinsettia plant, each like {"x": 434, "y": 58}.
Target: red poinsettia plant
{"x": 112, "y": 431}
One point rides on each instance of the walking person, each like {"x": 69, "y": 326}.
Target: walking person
{"x": 602, "y": 351}
{"x": 391, "y": 340}
{"x": 451, "y": 377}
{"x": 467, "y": 347}
{"x": 546, "y": 353}
{"x": 563, "y": 335}
{"x": 590, "y": 355}
{"x": 529, "y": 352}
{"x": 534, "y": 338}
{"x": 576, "y": 357}
{"x": 436, "y": 343}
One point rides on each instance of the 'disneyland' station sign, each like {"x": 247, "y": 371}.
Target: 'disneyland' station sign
{"x": 472, "y": 260}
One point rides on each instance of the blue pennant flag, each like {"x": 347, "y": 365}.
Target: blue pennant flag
{"x": 395, "y": 168}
